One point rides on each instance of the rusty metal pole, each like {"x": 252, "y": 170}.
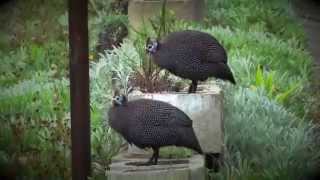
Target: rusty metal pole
{"x": 79, "y": 89}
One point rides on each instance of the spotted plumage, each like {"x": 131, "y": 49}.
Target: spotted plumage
{"x": 152, "y": 124}
{"x": 192, "y": 55}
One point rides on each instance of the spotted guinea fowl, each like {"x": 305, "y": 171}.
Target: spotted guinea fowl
{"x": 152, "y": 124}
{"x": 192, "y": 55}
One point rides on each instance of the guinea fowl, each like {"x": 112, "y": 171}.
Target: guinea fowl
{"x": 152, "y": 124}
{"x": 192, "y": 55}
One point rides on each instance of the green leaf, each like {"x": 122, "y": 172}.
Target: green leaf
{"x": 282, "y": 97}
{"x": 259, "y": 77}
{"x": 269, "y": 84}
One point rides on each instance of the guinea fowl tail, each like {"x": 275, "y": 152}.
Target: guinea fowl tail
{"x": 189, "y": 140}
{"x": 198, "y": 148}
{"x": 224, "y": 72}
{"x": 231, "y": 79}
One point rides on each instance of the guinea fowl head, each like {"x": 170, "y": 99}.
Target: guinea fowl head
{"x": 152, "y": 46}
{"x": 119, "y": 100}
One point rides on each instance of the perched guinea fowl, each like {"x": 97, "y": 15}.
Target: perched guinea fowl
{"x": 152, "y": 124}
{"x": 192, "y": 55}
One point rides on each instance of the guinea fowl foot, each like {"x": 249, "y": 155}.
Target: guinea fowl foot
{"x": 193, "y": 87}
{"x": 152, "y": 161}
{"x": 154, "y": 158}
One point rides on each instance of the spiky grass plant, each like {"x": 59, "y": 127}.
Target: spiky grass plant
{"x": 265, "y": 141}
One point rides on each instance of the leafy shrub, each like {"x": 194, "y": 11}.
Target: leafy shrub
{"x": 116, "y": 64}
{"x": 264, "y": 140}
{"x": 271, "y": 17}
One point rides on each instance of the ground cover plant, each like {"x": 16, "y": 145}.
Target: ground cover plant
{"x": 268, "y": 133}
{"x": 35, "y": 118}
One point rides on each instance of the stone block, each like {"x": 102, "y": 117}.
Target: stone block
{"x": 205, "y": 109}
{"x": 178, "y": 169}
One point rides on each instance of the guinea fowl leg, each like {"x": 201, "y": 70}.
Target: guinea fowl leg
{"x": 151, "y": 159}
{"x": 195, "y": 84}
{"x": 193, "y": 87}
{"x": 156, "y": 155}
{"x": 154, "y": 158}
{"x": 190, "y": 88}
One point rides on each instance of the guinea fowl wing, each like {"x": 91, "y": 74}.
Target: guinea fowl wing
{"x": 151, "y": 127}
{"x": 183, "y": 61}
{"x": 215, "y": 54}
{"x": 209, "y": 49}
{"x": 184, "y": 128}
{"x": 180, "y": 119}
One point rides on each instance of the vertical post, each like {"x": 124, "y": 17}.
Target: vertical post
{"x": 79, "y": 89}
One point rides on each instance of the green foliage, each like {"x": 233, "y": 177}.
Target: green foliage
{"x": 101, "y": 8}
{"x": 34, "y": 115}
{"x": 271, "y": 17}
{"x": 105, "y": 144}
{"x": 27, "y": 61}
{"x": 264, "y": 140}
{"x": 34, "y": 105}
{"x": 266, "y": 81}
{"x": 33, "y": 21}
{"x": 35, "y": 40}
